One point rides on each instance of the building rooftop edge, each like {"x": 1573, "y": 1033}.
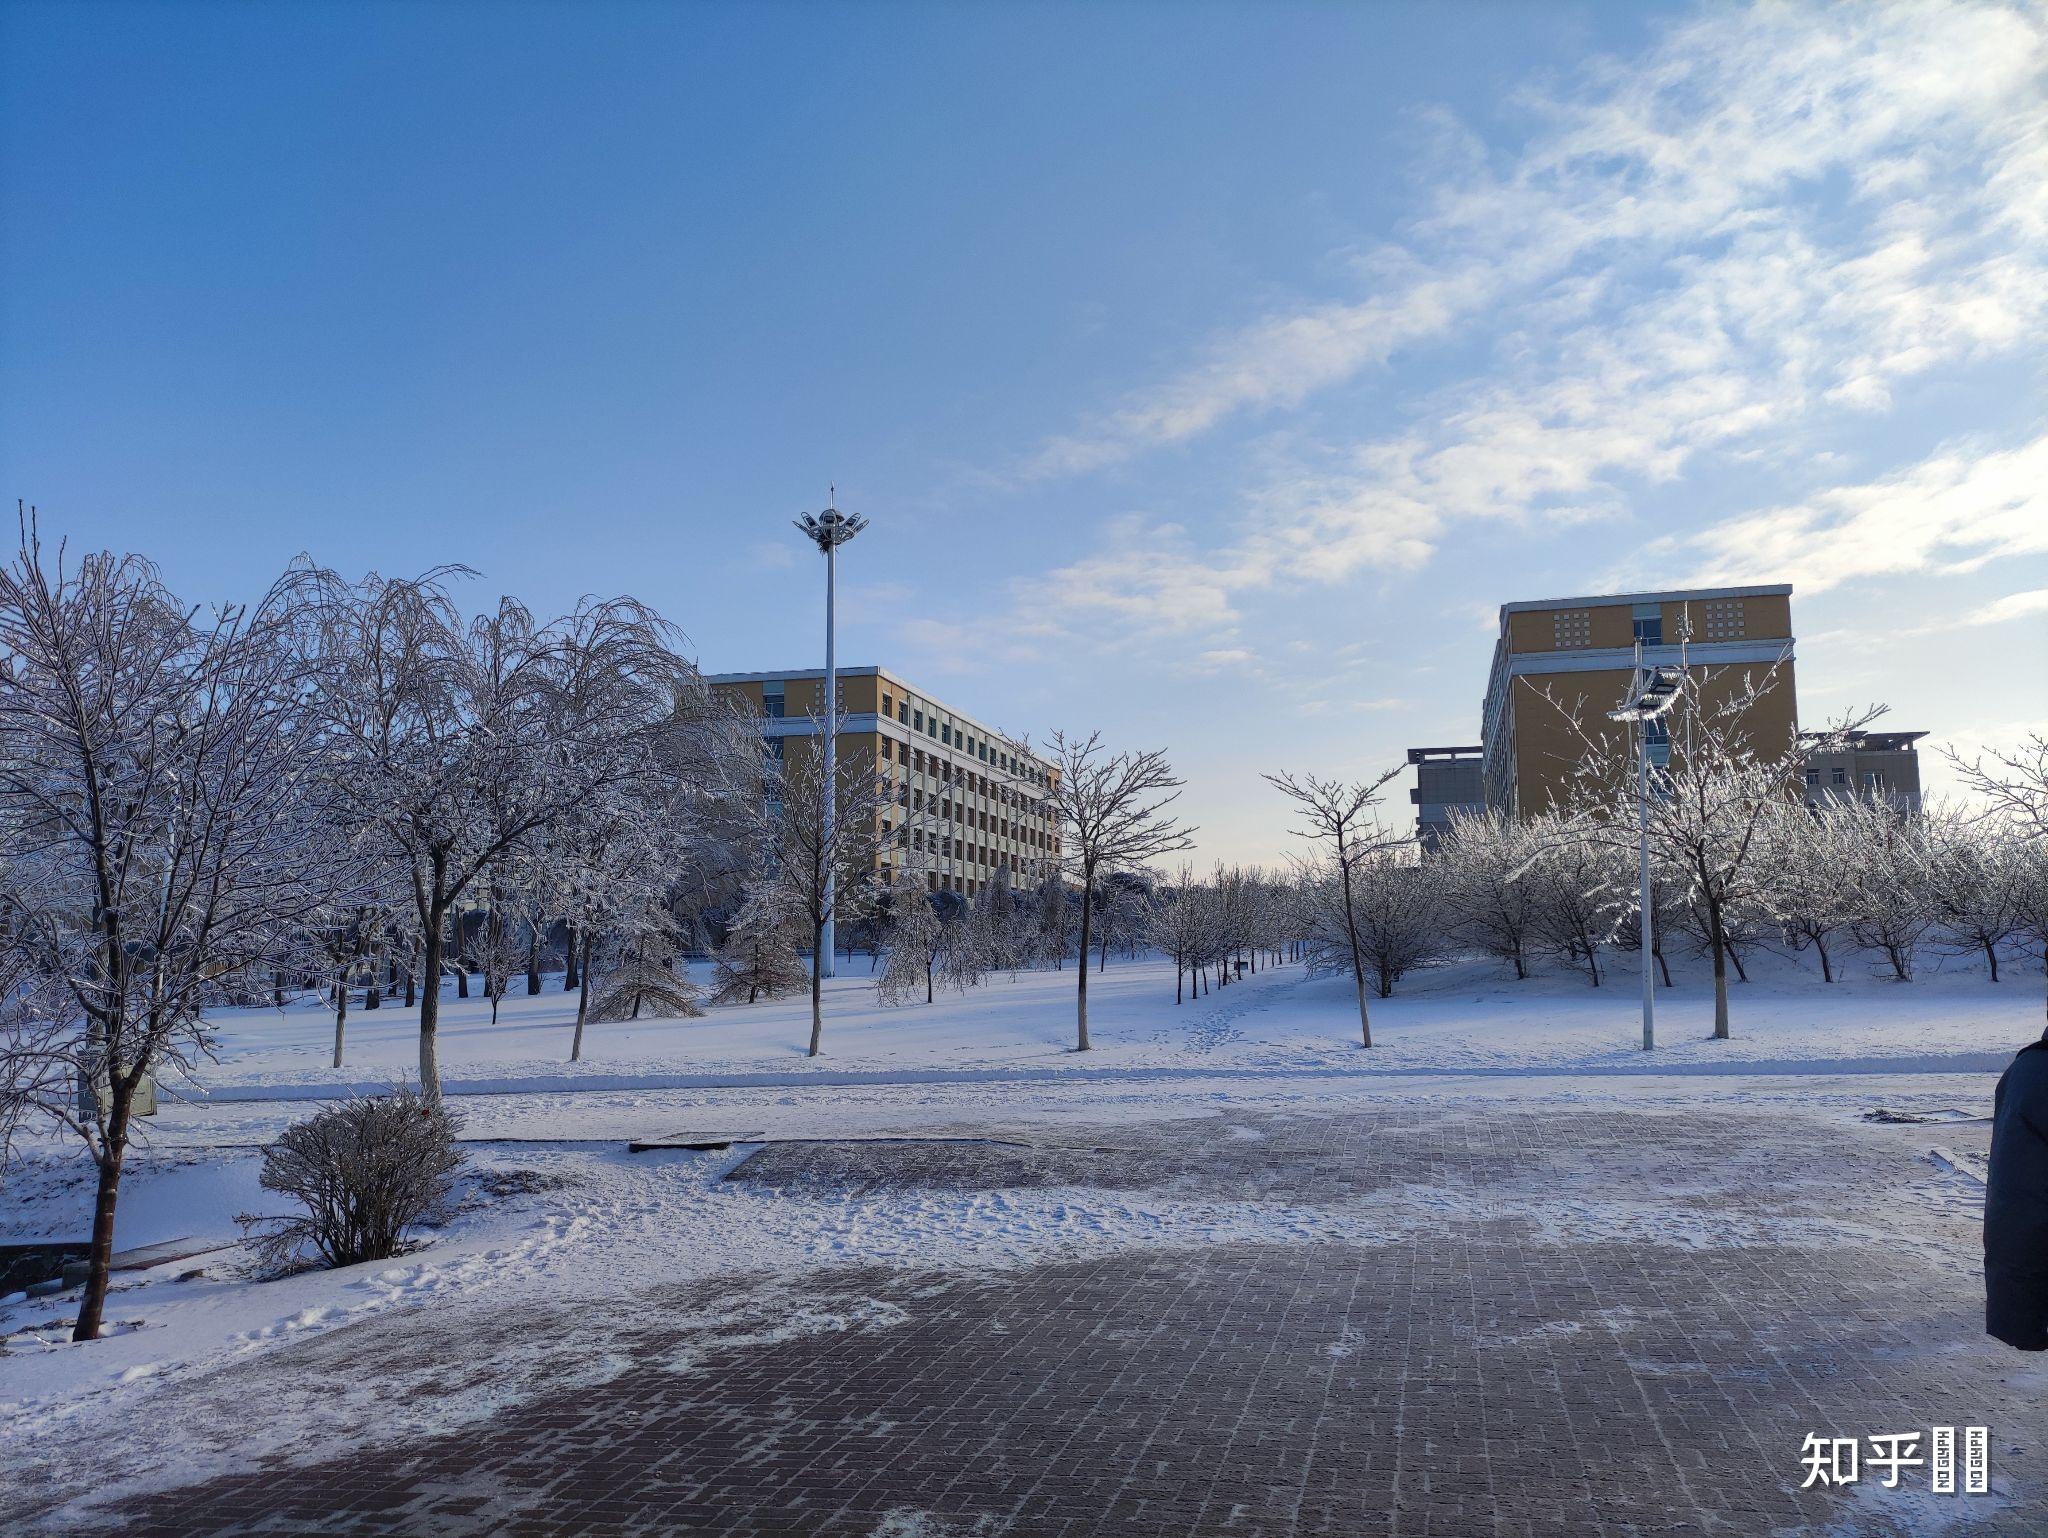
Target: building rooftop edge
{"x": 1668, "y": 595}
{"x": 1020, "y": 744}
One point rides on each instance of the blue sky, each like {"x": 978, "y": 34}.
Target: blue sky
{"x": 1210, "y": 373}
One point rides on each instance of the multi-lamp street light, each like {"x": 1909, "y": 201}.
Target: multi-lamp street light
{"x": 828, "y": 531}
{"x": 1652, "y": 693}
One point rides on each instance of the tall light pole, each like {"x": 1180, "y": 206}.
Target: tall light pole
{"x": 828, "y": 531}
{"x": 1651, "y": 694}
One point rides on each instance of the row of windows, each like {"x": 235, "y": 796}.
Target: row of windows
{"x": 949, "y": 773}
{"x": 972, "y": 817}
{"x": 1838, "y": 777}
{"x": 914, "y": 716}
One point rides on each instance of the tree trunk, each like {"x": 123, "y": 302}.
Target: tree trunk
{"x": 1081, "y": 995}
{"x": 570, "y": 978}
{"x": 1991, "y": 955}
{"x": 340, "y": 1012}
{"x": 373, "y": 991}
{"x": 1357, "y": 957}
{"x": 1720, "y": 949}
{"x": 817, "y": 986}
{"x": 582, "y": 999}
{"x": 1179, "y": 972}
{"x": 92, "y": 1305}
{"x": 1827, "y": 972}
{"x": 430, "y": 996}
{"x": 532, "y": 960}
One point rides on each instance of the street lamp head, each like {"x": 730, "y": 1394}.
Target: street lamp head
{"x": 831, "y": 528}
{"x": 1652, "y": 694}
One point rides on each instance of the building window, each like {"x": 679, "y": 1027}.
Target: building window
{"x": 1572, "y": 627}
{"x": 771, "y": 700}
{"x": 887, "y": 708}
{"x": 903, "y": 711}
{"x": 1650, "y": 632}
{"x": 1838, "y": 776}
{"x": 1873, "y": 779}
{"x": 920, "y": 720}
{"x": 1813, "y": 777}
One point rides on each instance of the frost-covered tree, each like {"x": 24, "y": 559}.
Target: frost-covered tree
{"x": 1892, "y": 878}
{"x": 762, "y": 955}
{"x": 1388, "y": 917}
{"x": 1578, "y": 885}
{"x": 1183, "y": 927}
{"x": 825, "y": 864}
{"x": 1055, "y": 937}
{"x": 915, "y": 950}
{"x": 1344, "y": 819}
{"x": 1980, "y": 879}
{"x": 1112, "y": 808}
{"x": 1492, "y": 905}
{"x": 1708, "y": 809}
{"x": 643, "y": 980}
{"x": 459, "y": 741}
{"x": 1808, "y": 856}
{"x": 2013, "y": 785}
{"x": 156, "y": 838}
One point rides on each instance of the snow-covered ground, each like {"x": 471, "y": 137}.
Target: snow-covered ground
{"x": 556, "y": 1208}
{"x": 1462, "y": 1018}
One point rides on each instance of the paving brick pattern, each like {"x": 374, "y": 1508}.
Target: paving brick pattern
{"x": 1625, "y": 1326}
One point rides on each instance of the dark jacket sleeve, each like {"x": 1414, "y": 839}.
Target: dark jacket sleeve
{"x": 2016, "y": 1206}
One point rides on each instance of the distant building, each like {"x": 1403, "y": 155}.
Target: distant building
{"x": 975, "y": 800}
{"x": 1582, "y": 652}
{"x": 1447, "y": 781}
{"x": 1871, "y": 766}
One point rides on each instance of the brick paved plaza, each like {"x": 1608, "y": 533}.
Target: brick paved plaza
{"x": 1512, "y": 1323}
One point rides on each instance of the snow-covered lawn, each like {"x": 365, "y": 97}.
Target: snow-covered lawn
{"x": 556, "y": 1208}
{"x": 1461, "y": 1018}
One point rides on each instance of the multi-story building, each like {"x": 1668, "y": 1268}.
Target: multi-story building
{"x": 1874, "y": 766}
{"x": 970, "y": 801}
{"x": 1558, "y": 660}
{"x": 1447, "y": 781}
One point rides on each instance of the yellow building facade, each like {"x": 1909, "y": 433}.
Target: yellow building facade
{"x": 967, "y": 801}
{"x": 1561, "y": 661}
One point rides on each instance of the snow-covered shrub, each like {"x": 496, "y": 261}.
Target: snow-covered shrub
{"x": 366, "y": 1171}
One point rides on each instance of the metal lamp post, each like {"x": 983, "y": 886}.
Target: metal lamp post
{"x": 828, "y": 531}
{"x": 1652, "y": 693}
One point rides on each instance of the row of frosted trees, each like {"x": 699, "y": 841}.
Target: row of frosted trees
{"x": 1847, "y": 882}
{"x": 1738, "y": 861}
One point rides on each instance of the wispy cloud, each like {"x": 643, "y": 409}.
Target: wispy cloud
{"x": 1775, "y": 215}
{"x": 1950, "y": 514}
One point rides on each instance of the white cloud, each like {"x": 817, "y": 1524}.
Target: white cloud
{"x": 1776, "y": 214}
{"x": 1952, "y": 513}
